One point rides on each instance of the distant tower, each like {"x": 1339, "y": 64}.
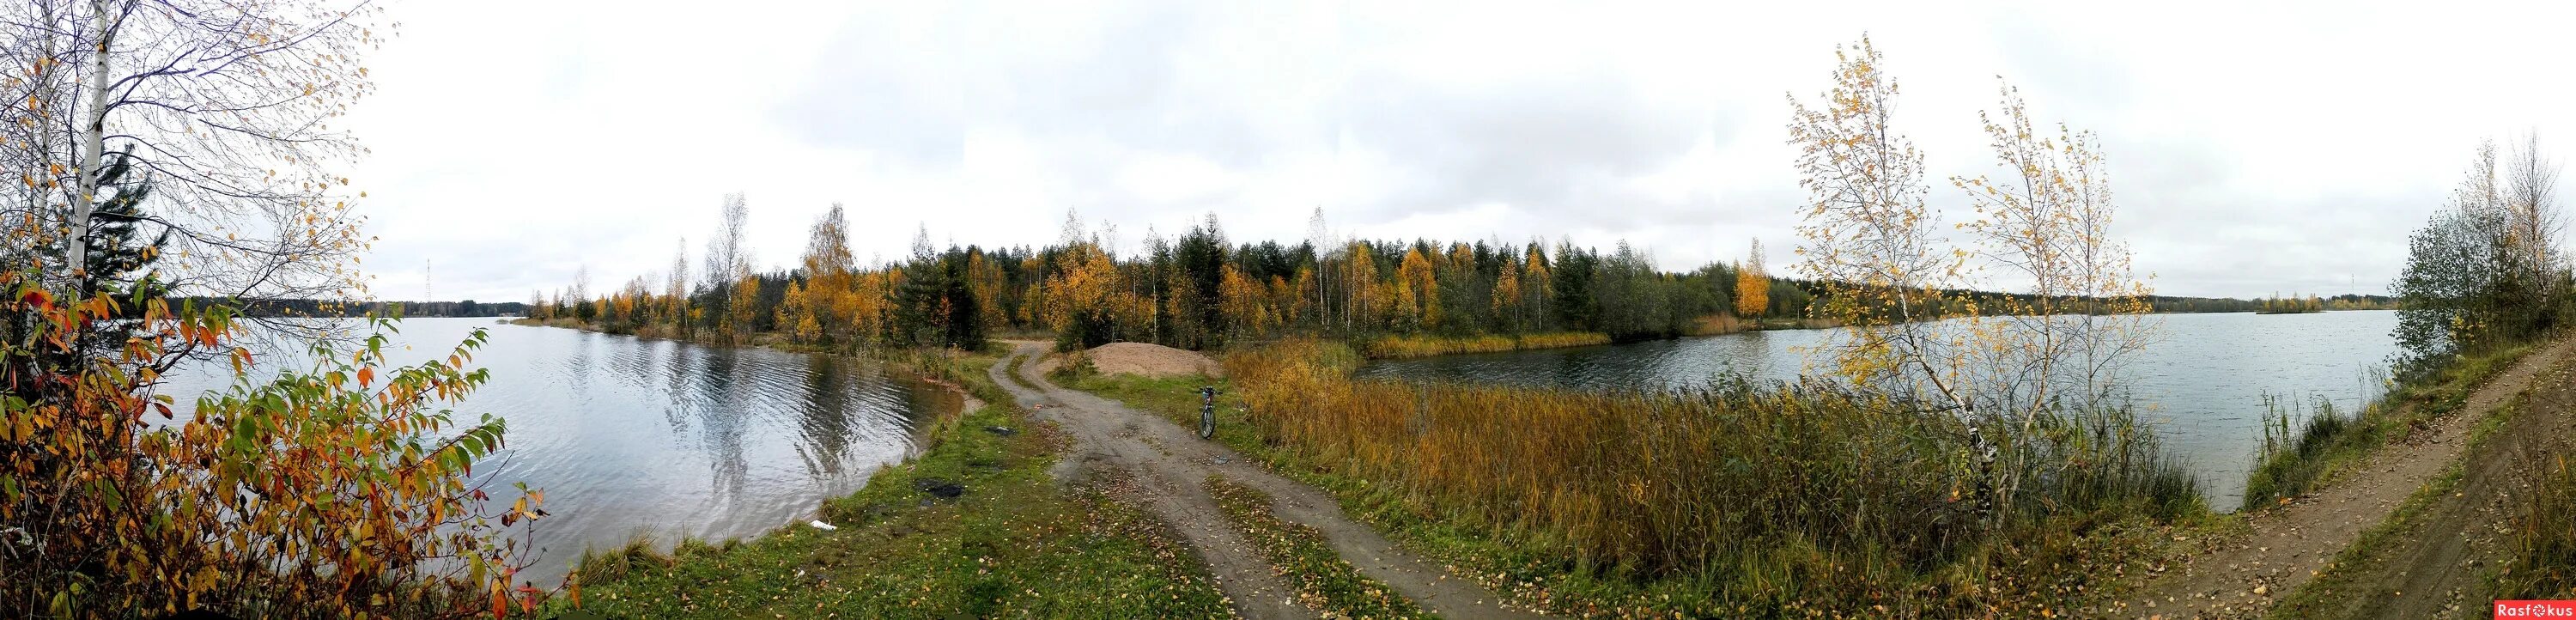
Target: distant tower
{"x": 427, "y": 282}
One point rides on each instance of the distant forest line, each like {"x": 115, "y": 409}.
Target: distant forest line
{"x": 1199, "y": 290}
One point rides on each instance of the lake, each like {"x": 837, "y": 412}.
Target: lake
{"x": 626, "y": 434}
{"x": 2201, "y": 384}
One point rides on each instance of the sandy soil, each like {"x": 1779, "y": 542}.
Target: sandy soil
{"x": 1151, "y": 360}
{"x": 2290, "y": 544}
{"x": 1170, "y": 466}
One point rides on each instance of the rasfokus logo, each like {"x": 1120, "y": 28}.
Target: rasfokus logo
{"x": 2535, "y": 609}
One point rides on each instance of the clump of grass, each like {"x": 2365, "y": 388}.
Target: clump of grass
{"x": 1324, "y": 582}
{"x": 1426, "y": 346}
{"x": 1073, "y": 366}
{"x": 640, "y": 552}
{"x": 1745, "y": 500}
{"x": 2293, "y": 462}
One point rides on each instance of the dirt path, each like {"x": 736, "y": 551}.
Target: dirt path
{"x": 2290, "y": 544}
{"x": 1170, "y": 465}
{"x": 2443, "y": 555}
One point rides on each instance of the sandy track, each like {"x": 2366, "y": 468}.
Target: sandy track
{"x": 1170, "y": 465}
{"x": 2290, "y": 544}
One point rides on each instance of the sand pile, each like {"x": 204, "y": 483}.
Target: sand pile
{"x": 1151, "y": 360}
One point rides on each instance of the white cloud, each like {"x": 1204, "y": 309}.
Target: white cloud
{"x": 2256, "y": 149}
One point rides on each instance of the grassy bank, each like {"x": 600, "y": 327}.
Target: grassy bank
{"x": 1014, "y": 544}
{"x": 2541, "y": 563}
{"x": 1426, "y": 346}
{"x": 2540, "y": 559}
{"x": 2298, "y": 458}
{"x": 2343, "y": 589}
{"x": 1733, "y": 503}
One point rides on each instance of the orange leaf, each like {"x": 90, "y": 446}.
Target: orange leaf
{"x": 366, "y": 376}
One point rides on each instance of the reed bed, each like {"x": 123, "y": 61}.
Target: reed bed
{"x": 1426, "y": 346}
{"x": 1776, "y": 499}
{"x": 1715, "y": 324}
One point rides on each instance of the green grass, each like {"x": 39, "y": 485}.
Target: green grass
{"x": 2338, "y": 590}
{"x": 1015, "y": 545}
{"x": 2331, "y": 442}
{"x": 1323, "y": 581}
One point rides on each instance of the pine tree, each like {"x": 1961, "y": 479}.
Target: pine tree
{"x": 118, "y": 263}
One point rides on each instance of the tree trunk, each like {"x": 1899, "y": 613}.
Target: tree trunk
{"x": 93, "y": 140}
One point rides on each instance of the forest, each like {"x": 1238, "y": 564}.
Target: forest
{"x": 1199, "y": 290}
{"x": 1196, "y": 290}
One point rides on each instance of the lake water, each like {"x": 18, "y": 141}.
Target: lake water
{"x": 2201, "y": 383}
{"x": 626, "y": 434}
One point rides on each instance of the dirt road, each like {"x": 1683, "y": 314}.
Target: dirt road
{"x": 1169, "y": 466}
{"x": 2291, "y": 544}
{"x": 2436, "y": 563}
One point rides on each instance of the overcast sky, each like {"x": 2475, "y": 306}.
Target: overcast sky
{"x": 2253, "y": 150}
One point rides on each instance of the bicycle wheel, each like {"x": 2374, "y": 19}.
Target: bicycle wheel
{"x": 1207, "y": 424}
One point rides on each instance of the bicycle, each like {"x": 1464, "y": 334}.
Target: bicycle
{"x": 1207, "y": 411}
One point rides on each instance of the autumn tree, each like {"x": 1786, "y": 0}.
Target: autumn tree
{"x": 1246, "y": 313}
{"x": 2046, "y": 223}
{"x": 2479, "y": 273}
{"x": 1418, "y": 290}
{"x": 742, "y": 307}
{"x": 1752, "y": 285}
{"x": 229, "y": 109}
{"x": 192, "y": 143}
{"x": 1083, "y": 298}
{"x": 1359, "y": 275}
{"x": 830, "y": 282}
{"x": 1870, "y": 240}
{"x": 1538, "y": 287}
{"x": 797, "y": 314}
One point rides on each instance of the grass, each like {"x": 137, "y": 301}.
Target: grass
{"x": 2329, "y": 442}
{"x": 2541, "y": 564}
{"x": 2540, "y": 561}
{"x": 1014, "y": 545}
{"x": 1426, "y": 346}
{"x": 1742, "y": 502}
{"x": 1324, "y": 582}
{"x": 2338, "y": 590}
{"x": 1714, "y": 324}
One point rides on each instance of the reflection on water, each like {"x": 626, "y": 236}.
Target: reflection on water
{"x": 2202, "y": 383}
{"x": 625, "y": 434}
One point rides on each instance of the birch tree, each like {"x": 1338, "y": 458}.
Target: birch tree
{"x": 1870, "y": 240}
{"x": 232, "y": 110}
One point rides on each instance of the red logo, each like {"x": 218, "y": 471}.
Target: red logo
{"x": 2535, "y": 609}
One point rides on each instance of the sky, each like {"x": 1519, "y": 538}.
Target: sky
{"x": 2255, "y": 148}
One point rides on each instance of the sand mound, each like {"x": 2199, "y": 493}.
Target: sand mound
{"x": 1151, "y": 360}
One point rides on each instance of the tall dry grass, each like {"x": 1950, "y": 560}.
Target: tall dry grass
{"x": 1764, "y": 494}
{"x": 1426, "y": 346}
